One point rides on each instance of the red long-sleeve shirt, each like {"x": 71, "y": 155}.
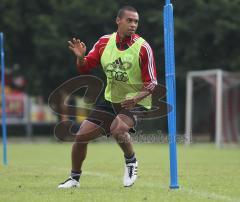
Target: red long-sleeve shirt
{"x": 146, "y": 58}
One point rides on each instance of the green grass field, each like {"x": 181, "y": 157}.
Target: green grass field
{"x": 205, "y": 174}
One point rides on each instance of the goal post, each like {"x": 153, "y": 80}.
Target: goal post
{"x": 213, "y": 101}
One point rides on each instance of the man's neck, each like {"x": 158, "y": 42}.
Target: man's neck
{"x": 122, "y": 36}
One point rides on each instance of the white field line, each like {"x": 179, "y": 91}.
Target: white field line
{"x": 199, "y": 193}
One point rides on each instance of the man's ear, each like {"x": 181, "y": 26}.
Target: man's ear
{"x": 117, "y": 20}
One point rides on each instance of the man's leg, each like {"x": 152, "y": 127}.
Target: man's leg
{"x": 87, "y": 132}
{"x": 119, "y": 129}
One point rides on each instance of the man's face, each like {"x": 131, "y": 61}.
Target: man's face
{"x": 128, "y": 23}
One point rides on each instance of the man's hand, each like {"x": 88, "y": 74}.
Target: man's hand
{"x": 77, "y": 47}
{"x": 129, "y": 103}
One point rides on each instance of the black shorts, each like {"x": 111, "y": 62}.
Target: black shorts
{"x": 105, "y": 112}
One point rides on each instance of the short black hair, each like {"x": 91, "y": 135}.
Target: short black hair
{"x": 125, "y": 8}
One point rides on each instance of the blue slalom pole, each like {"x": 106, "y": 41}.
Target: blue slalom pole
{"x": 4, "y": 127}
{"x": 171, "y": 90}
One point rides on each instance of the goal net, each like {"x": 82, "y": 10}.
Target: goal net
{"x": 213, "y": 106}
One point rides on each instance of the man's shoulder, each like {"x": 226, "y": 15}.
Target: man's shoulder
{"x": 145, "y": 43}
{"x": 102, "y": 42}
{"x": 145, "y": 48}
{"x": 105, "y": 38}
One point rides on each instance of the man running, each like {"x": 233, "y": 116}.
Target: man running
{"x": 128, "y": 62}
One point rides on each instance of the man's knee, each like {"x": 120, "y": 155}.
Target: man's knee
{"x": 81, "y": 139}
{"x": 116, "y": 131}
{"x": 120, "y": 133}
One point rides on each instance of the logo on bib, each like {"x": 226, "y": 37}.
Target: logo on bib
{"x": 117, "y": 70}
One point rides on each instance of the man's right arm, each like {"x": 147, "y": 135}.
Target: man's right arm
{"x": 81, "y": 61}
{"x": 85, "y": 63}
{"x": 92, "y": 60}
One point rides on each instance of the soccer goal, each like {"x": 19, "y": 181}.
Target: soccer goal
{"x": 213, "y": 106}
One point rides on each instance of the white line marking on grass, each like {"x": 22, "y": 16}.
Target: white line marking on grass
{"x": 199, "y": 193}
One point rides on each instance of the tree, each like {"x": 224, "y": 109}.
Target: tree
{"x": 206, "y": 35}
